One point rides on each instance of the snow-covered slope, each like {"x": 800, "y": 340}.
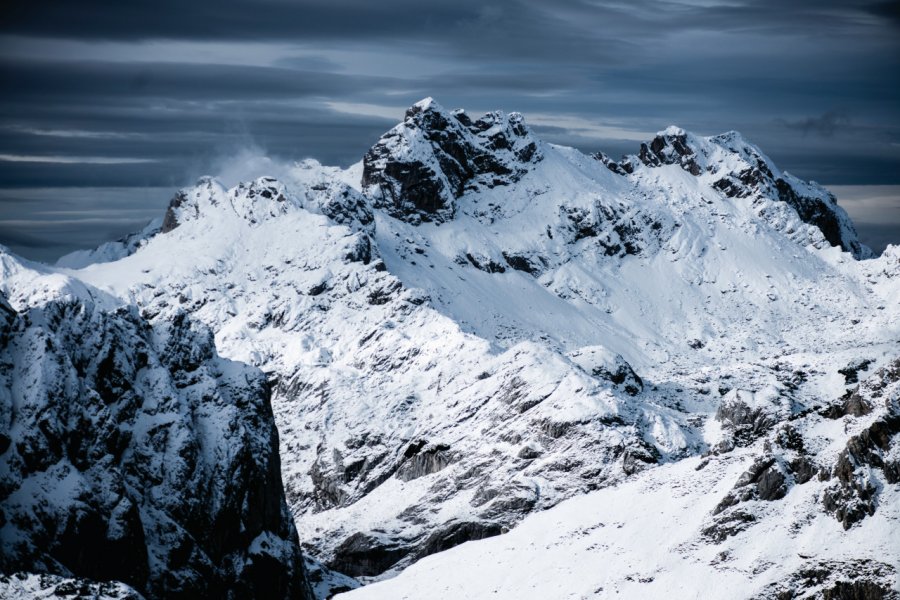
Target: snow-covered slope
{"x": 132, "y": 452}
{"x": 472, "y": 325}
{"x": 750, "y": 523}
{"x": 363, "y": 369}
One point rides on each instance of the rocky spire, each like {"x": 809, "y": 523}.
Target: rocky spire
{"x": 419, "y": 168}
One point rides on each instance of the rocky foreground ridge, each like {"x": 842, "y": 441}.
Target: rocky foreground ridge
{"x": 133, "y": 453}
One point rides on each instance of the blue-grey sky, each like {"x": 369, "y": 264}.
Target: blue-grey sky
{"x": 108, "y": 106}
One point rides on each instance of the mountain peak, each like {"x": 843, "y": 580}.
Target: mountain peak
{"x": 418, "y": 169}
{"x": 737, "y": 168}
{"x": 673, "y": 145}
{"x": 190, "y": 202}
{"x": 425, "y": 105}
{"x": 672, "y": 131}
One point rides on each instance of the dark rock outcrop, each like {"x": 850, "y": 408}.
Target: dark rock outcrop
{"x": 611, "y": 367}
{"x": 342, "y": 204}
{"x": 365, "y": 555}
{"x": 728, "y": 524}
{"x": 851, "y": 371}
{"x": 764, "y": 480}
{"x": 528, "y": 262}
{"x": 744, "y": 418}
{"x": 617, "y": 230}
{"x": 189, "y": 203}
{"x": 858, "y": 475}
{"x": 670, "y": 148}
{"x": 417, "y": 170}
{"x": 107, "y": 420}
{"x": 369, "y": 554}
{"x": 835, "y": 580}
{"x": 456, "y": 533}
{"x": 170, "y": 220}
{"x": 622, "y": 375}
{"x": 824, "y": 215}
{"x": 619, "y": 168}
{"x": 423, "y": 459}
{"x": 853, "y": 495}
{"x": 638, "y": 456}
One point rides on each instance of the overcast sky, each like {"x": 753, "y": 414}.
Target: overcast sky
{"x": 109, "y": 106}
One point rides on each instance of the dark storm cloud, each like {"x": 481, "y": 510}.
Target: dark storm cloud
{"x": 231, "y": 19}
{"x": 146, "y": 95}
{"x": 363, "y": 19}
{"x": 824, "y": 125}
{"x": 105, "y": 82}
{"x": 890, "y": 10}
{"x": 43, "y": 223}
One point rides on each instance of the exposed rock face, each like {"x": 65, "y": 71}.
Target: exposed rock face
{"x": 854, "y": 493}
{"x": 748, "y": 415}
{"x": 767, "y": 546}
{"x": 602, "y": 363}
{"x": 851, "y": 371}
{"x": 189, "y": 203}
{"x": 176, "y": 204}
{"x": 364, "y": 554}
{"x": 617, "y": 229}
{"x": 418, "y": 169}
{"x": 343, "y": 205}
{"x": 833, "y": 580}
{"x": 765, "y": 480}
{"x": 670, "y": 148}
{"x": 624, "y": 167}
{"x": 423, "y": 459}
{"x": 133, "y": 453}
{"x": 455, "y": 534}
{"x": 850, "y": 485}
{"x": 503, "y": 493}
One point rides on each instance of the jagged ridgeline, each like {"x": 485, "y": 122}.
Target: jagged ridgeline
{"x": 468, "y": 328}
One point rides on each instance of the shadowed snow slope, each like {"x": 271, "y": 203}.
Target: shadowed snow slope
{"x": 472, "y": 325}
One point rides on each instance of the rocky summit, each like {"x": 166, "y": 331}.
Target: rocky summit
{"x": 498, "y": 367}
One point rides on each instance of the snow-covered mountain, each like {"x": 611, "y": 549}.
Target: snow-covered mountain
{"x": 472, "y": 325}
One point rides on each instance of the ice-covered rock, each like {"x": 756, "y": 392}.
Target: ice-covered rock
{"x": 131, "y": 452}
{"x": 418, "y": 169}
{"x": 738, "y": 169}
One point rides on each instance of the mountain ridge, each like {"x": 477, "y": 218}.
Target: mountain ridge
{"x": 537, "y": 324}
